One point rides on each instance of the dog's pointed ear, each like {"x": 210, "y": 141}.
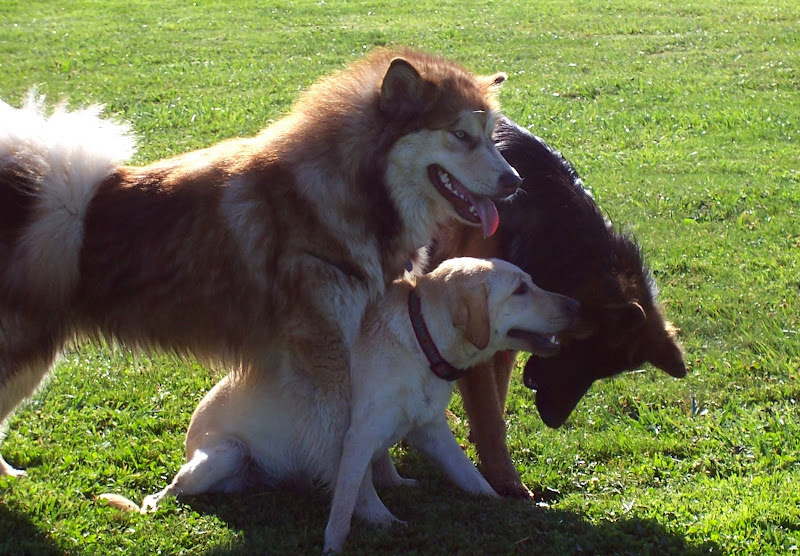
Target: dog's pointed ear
{"x": 494, "y": 81}
{"x": 402, "y": 89}
{"x": 666, "y": 353}
{"x": 624, "y": 317}
{"x": 470, "y": 312}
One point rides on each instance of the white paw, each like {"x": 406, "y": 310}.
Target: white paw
{"x": 150, "y": 503}
{"x": 386, "y": 520}
{"x": 12, "y": 472}
{"x": 8, "y": 471}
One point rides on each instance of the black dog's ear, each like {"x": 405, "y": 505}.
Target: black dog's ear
{"x": 402, "y": 89}
{"x": 664, "y": 351}
{"x": 624, "y": 317}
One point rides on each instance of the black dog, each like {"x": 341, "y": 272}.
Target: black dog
{"x": 554, "y": 230}
{"x": 556, "y": 233}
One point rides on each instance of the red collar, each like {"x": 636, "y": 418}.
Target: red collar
{"x": 439, "y": 366}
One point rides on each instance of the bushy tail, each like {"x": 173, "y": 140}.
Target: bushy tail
{"x": 54, "y": 164}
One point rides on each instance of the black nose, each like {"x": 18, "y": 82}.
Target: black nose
{"x": 571, "y": 306}
{"x": 509, "y": 182}
{"x": 529, "y": 381}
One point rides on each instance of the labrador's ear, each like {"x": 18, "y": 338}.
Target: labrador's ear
{"x": 470, "y": 312}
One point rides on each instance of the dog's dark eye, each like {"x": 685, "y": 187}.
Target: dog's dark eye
{"x": 522, "y": 289}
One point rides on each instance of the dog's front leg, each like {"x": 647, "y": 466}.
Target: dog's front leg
{"x": 437, "y": 442}
{"x": 320, "y": 331}
{"x": 356, "y": 456}
{"x": 484, "y": 391}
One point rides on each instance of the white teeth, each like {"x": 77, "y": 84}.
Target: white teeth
{"x": 553, "y": 340}
{"x": 445, "y": 179}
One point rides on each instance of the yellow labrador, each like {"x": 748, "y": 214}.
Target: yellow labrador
{"x": 278, "y": 427}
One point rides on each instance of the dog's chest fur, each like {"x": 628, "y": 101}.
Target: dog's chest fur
{"x": 395, "y": 383}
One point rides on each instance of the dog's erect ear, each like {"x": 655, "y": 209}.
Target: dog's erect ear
{"x": 624, "y": 317}
{"x": 667, "y": 355}
{"x": 495, "y": 80}
{"x": 402, "y": 89}
{"x": 470, "y": 312}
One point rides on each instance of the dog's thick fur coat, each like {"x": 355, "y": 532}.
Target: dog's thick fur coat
{"x": 280, "y": 427}
{"x": 250, "y": 252}
{"x": 553, "y": 229}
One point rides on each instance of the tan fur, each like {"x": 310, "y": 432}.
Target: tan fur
{"x": 248, "y": 250}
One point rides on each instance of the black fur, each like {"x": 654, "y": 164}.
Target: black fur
{"x": 553, "y": 229}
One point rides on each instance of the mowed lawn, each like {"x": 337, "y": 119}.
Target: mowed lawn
{"x": 684, "y": 120}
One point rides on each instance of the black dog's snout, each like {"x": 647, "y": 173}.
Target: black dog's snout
{"x": 571, "y": 309}
{"x": 509, "y": 182}
{"x": 572, "y": 306}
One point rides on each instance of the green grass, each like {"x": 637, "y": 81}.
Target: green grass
{"x": 684, "y": 120}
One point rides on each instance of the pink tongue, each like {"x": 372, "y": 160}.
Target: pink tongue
{"x": 487, "y": 212}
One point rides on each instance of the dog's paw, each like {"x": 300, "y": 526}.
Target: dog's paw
{"x": 8, "y": 471}
{"x": 387, "y": 521}
{"x": 150, "y": 503}
{"x": 513, "y": 489}
{"x": 377, "y": 515}
{"x": 393, "y": 481}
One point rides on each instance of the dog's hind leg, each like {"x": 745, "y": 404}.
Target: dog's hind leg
{"x": 24, "y": 363}
{"x": 369, "y": 506}
{"x": 212, "y": 465}
{"x": 384, "y": 473}
{"x": 15, "y": 388}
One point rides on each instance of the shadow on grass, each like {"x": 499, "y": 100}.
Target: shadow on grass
{"x": 19, "y": 536}
{"x": 440, "y": 520}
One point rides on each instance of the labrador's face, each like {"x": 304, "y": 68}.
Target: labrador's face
{"x": 498, "y": 307}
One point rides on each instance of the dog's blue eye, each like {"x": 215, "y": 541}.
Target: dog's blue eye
{"x": 522, "y": 289}
{"x": 460, "y": 134}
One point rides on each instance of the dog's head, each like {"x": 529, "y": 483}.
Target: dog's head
{"x": 619, "y": 338}
{"x": 620, "y": 328}
{"x": 555, "y": 231}
{"x": 496, "y": 306}
{"x": 446, "y": 148}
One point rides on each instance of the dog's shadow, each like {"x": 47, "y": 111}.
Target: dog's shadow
{"x": 440, "y": 519}
{"x": 19, "y": 535}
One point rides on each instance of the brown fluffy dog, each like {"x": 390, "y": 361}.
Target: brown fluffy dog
{"x": 259, "y": 246}
{"x": 554, "y": 230}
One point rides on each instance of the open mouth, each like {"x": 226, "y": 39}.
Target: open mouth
{"x": 543, "y": 345}
{"x": 473, "y": 210}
